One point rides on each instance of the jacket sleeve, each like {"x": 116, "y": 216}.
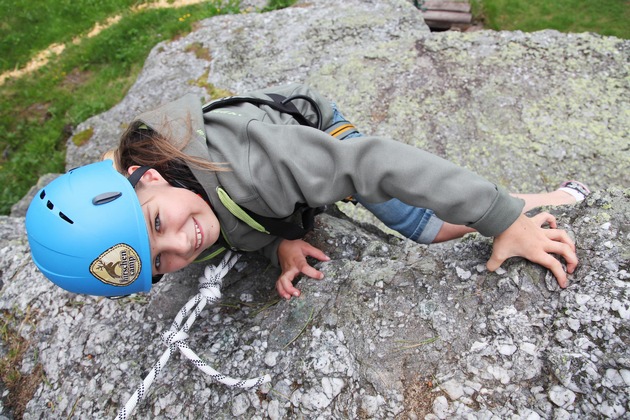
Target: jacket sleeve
{"x": 270, "y": 251}
{"x": 291, "y": 164}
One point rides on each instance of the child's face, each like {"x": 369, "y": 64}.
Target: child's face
{"x": 180, "y": 223}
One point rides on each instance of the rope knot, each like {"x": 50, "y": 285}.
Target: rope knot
{"x": 210, "y": 291}
{"x": 172, "y": 337}
{"x": 176, "y": 337}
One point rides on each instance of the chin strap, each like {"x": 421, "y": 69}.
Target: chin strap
{"x": 175, "y": 337}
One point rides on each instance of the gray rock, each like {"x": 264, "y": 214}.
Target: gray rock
{"x": 240, "y": 404}
{"x": 453, "y": 389}
{"x": 561, "y": 396}
{"x": 440, "y": 407}
{"x": 526, "y": 110}
{"x": 612, "y": 410}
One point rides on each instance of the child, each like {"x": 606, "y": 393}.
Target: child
{"x": 237, "y": 174}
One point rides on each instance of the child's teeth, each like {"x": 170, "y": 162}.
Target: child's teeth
{"x": 198, "y": 244}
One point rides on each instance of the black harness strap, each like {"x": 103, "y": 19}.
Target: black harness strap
{"x": 275, "y": 226}
{"x": 280, "y": 103}
{"x": 288, "y": 230}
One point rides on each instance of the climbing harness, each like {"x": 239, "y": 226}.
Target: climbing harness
{"x": 272, "y": 225}
{"x": 279, "y": 103}
{"x": 176, "y": 336}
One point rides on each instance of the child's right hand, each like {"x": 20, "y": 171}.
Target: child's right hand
{"x": 526, "y": 238}
{"x": 292, "y": 257}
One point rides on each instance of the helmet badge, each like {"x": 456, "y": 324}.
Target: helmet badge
{"x": 118, "y": 266}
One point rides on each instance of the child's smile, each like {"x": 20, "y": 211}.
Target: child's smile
{"x": 179, "y": 222}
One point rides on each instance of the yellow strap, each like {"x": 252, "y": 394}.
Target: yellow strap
{"x": 342, "y": 129}
{"x": 238, "y": 212}
{"x": 211, "y": 255}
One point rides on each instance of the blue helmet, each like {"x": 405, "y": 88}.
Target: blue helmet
{"x": 88, "y": 235}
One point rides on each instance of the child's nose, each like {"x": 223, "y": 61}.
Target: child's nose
{"x": 178, "y": 243}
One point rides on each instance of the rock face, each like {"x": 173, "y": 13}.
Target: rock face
{"x": 527, "y": 110}
{"x": 396, "y": 329}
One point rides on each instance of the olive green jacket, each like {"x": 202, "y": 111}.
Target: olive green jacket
{"x": 276, "y": 163}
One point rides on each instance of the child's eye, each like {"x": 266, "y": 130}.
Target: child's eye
{"x": 156, "y": 223}
{"x": 158, "y": 259}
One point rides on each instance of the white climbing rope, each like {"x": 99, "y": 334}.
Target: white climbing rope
{"x": 175, "y": 337}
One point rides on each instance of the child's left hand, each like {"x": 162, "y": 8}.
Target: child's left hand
{"x": 292, "y": 257}
{"x": 526, "y": 238}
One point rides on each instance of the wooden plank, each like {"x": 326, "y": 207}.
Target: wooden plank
{"x": 450, "y": 6}
{"x": 452, "y": 17}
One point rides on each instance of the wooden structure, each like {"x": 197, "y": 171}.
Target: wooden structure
{"x": 445, "y": 14}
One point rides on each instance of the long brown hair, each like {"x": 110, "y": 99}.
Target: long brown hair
{"x": 140, "y": 145}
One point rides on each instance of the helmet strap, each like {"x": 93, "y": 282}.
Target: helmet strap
{"x": 137, "y": 174}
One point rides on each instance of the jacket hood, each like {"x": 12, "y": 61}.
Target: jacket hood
{"x": 181, "y": 119}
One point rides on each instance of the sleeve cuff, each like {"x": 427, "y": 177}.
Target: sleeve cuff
{"x": 502, "y": 213}
{"x": 271, "y": 252}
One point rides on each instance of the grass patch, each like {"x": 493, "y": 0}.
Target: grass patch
{"x": 39, "y": 111}
{"x": 21, "y": 386}
{"x": 83, "y": 137}
{"x": 605, "y": 17}
{"x": 211, "y": 89}
{"x": 200, "y": 51}
{"x": 30, "y": 26}
{"x": 278, "y": 4}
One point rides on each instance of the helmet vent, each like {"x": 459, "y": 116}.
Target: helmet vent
{"x": 50, "y": 205}
{"x": 66, "y": 218}
{"x": 42, "y": 194}
{"x": 106, "y": 198}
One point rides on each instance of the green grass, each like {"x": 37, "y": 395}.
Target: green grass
{"x": 30, "y": 26}
{"x": 605, "y": 17}
{"x": 39, "y": 111}
{"x": 278, "y": 4}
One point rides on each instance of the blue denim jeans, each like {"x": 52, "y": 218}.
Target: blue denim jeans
{"x": 416, "y": 223}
